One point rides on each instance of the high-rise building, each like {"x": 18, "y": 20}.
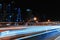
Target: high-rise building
{"x": 9, "y": 12}
{"x": 1, "y": 12}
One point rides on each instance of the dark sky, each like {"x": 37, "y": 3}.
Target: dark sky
{"x": 41, "y": 8}
{"x": 49, "y": 9}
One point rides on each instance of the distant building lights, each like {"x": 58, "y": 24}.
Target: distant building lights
{"x": 10, "y": 16}
{"x": 36, "y": 21}
{"x": 28, "y": 10}
{"x": 0, "y": 6}
{"x": 17, "y": 20}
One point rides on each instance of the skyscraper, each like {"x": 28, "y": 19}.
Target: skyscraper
{"x": 9, "y": 12}
{"x": 1, "y": 12}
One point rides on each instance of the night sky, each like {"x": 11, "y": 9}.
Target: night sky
{"x": 41, "y": 9}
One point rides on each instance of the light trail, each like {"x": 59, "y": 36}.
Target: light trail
{"x": 28, "y": 30}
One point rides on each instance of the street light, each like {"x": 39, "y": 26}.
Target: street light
{"x": 35, "y": 18}
{"x": 48, "y": 20}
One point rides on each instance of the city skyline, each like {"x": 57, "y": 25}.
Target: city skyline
{"x": 42, "y": 11}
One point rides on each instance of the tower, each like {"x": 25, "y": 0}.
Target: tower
{"x": 19, "y": 15}
{"x": 1, "y": 12}
{"x": 8, "y": 10}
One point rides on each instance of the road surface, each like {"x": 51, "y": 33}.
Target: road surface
{"x": 38, "y": 32}
{"x": 46, "y": 36}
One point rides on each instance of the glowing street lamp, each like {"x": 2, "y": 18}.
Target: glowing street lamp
{"x": 35, "y": 18}
{"x": 48, "y": 20}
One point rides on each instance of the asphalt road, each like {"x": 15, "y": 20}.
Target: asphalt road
{"x": 52, "y": 35}
{"x": 47, "y": 35}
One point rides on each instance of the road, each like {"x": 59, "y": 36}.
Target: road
{"x": 46, "y": 36}
{"x": 32, "y": 33}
